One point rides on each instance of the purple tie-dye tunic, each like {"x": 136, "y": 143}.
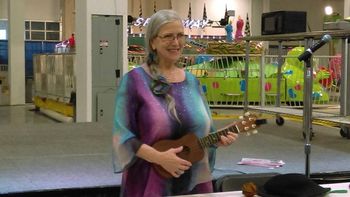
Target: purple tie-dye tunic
{"x": 142, "y": 117}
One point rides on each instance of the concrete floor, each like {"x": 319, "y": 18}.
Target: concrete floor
{"x": 22, "y": 114}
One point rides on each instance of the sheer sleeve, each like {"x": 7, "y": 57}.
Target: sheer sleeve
{"x": 212, "y": 149}
{"x": 125, "y": 143}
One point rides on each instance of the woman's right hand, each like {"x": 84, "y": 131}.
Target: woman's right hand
{"x": 175, "y": 165}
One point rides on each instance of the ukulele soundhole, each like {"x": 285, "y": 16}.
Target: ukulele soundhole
{"x": 186, "y": 150}
{"x": 184, "y": 154}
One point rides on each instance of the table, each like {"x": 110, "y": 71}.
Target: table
{"x": 342, "y": 188}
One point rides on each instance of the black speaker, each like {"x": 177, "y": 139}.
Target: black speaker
{"x": 130, "y": 19}
{"x": 223, "y": 21}
{"x": 282, "y": 22}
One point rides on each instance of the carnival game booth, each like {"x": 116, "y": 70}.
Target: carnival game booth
{"x": 222, "y": 73}
{"x": 222, "y": 80}
{"x": 220, "y": 67}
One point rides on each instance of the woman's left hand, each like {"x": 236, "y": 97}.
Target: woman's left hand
{"x": 228, "y": 139}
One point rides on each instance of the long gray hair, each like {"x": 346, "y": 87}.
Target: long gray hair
{"x": 156, "y": 21}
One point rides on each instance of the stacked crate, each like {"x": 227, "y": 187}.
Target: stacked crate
{"x": 54, "y": 81}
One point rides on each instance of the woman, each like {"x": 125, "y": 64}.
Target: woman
{"x": 158, "y": 101}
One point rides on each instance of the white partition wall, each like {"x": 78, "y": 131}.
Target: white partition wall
{"x": 16, "y": 52}
{"x": 84, "y": 11}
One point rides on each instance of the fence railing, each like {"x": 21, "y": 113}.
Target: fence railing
{"x": 223, "y": 82}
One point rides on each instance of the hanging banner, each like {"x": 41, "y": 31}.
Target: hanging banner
{"x": 200, "y": 23}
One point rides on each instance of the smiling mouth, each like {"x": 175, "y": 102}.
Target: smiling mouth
{"x": 173, "y": 50}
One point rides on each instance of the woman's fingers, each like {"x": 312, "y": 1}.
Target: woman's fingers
{"x": 174, "y": 164}
{"x": 228, "y": 139}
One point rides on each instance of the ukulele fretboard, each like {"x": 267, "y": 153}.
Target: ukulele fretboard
{"x": 214, "y": 138}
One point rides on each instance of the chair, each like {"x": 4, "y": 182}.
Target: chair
{"x": 234, "y": 182}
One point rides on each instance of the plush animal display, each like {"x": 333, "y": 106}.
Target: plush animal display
{"x": 293, "y": 71}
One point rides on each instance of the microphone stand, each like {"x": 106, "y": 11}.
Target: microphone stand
{"x": 307, "y": 111}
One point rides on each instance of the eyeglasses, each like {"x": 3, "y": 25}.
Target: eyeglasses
{"x": 171, "y": 37}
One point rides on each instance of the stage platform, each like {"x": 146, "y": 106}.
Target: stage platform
{"x": 68, "y": 159}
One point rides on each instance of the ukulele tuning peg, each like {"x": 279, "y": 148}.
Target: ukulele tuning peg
{"x": 246, "y": 128}
{"x": 253, "y": 126}
{"x": 244, "y": 122}
{"x": 240, "y": 117}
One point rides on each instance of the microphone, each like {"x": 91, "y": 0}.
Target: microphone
{"x": 308, "y": 52}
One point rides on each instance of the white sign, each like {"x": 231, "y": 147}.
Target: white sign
{"x": 195, "y": 23}
{"x": 141, "y": 22}
{"x": 187, "y": 23}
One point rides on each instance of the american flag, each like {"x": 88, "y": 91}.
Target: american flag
{"x": 189, "y": 12}
{"x": 140, "y": 10}
{"x": 204, "y": 13}
{"x": 154, "y": 6}
{"x": 247, "y": 27}
{"x": 140, "y": 15}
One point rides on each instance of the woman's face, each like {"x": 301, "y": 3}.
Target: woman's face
{"x": 169, "y": 42}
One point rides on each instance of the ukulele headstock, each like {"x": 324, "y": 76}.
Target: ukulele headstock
{"x": 248, "y": 123}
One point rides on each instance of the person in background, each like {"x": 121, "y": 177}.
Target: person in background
{"x": 239, "y": 29}
{"x": 229, "y": 30}
{"x": 160, "y": 100}
{"x": 71, "y": 41}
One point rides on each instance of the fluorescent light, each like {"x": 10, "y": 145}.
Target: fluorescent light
{"x": 328, "y": 10}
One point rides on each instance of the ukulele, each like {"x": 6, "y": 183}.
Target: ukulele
{"x": 193, "y": 147}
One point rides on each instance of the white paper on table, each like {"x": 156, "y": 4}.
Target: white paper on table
{"x": 261, "y": 162}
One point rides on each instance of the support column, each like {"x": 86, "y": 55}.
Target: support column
{"x": 68, "y": 18}
{"x": 16, "y": 52}
{"x": 346, "y": 8}
{"x": 256, "y": 9}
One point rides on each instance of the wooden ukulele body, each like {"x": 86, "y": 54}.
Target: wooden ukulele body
{"x": 192, "y": 150}
{"x": 193, "y": 147}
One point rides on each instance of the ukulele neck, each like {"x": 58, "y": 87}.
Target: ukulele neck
{"x": 214, "y": 138}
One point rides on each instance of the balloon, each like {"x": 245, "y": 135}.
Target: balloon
{"x": 291, "y": 93}
{"x": 316, "y": 96}
{"x": 297, "y": 87}
{"x": 242, "y": 84}
{"x": 204, "y": 88}
{"x": 216, "y": 85}
{"x": 268, "y": 86}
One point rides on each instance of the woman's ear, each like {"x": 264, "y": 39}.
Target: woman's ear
{"x": 153, "y": 46}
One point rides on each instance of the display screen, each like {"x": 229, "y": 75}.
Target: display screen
{"x": 281, "y": 22}
{"x": 269, "y": 24}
